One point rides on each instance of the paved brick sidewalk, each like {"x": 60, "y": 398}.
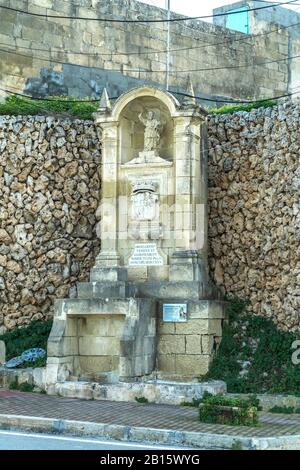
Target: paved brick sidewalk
{"x": 177, "y": 418}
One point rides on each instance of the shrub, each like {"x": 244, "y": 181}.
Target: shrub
{"x": 283, "y": 409}
{"x": 228, "y": 410}
{"x": 234, "y": 108}
{"x": 141, "y": 400}
{"x": 258, "y": 340}
{"x": 22, "y": 387}
{"x": 224, "y": 400}
{"x": 16, "y": 105}
{"x": 35, "y": 335}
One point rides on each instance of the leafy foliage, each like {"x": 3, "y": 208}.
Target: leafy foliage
{"x": 255, "y": 339}
{"x": 16, "y": 105}
{"x": 229, "y": 108}
{"x": 141, "y": 400}
{"x": 22, "y": 387}
{"x": 35, "y": 335}
{"x": 227, "y": 410}
{"x": 223, "y": 400}
{"x": 284, "y": 409}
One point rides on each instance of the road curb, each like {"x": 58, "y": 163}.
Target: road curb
{"x": 151, "y": 435}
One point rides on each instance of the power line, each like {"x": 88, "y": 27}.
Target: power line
{"x": 214, "y": 100}
{"x": 206, "y": 69}
{"x": 265, "y": 1}
{"x": 171, "y": 20}
{"x": 162, "y": 51}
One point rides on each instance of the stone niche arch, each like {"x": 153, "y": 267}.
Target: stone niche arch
{"x": 126, "y": 112}
{"x": 132, "y": 130}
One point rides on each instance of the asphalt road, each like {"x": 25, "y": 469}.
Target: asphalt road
{"x": 18, "y": 440}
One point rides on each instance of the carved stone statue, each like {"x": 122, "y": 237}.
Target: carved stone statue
{"x": 153, "y": 128}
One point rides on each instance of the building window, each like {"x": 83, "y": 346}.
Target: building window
{"x": 239, "y": 21}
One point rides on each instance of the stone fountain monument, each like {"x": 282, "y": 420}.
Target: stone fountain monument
{"x": 149, "y": 315}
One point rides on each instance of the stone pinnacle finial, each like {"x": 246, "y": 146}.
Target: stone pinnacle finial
{"x": 190, "y": 100}
{"x": 104, "y": 104}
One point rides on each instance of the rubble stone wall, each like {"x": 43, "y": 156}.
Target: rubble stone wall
{"x": 254, "y": 198}
{"x": 49, "y": 193}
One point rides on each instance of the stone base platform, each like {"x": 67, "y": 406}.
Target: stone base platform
{"x": 155, "y": 391}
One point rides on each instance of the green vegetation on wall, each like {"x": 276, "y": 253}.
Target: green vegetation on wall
{"x": 254, "y": 356}
{"x": 17, "y": 105}
{"x": 234, "y": 108}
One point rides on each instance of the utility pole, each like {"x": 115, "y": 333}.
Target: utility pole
{"x": 168, "y": 7}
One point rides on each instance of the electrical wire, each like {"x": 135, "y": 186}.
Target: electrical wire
{"x": 265, "y": 1}
{"x": 163, "y": 51}
{"x": 171, "y": 20}
{"x": 174, "y": 72}
{"x": 201, "y": 98}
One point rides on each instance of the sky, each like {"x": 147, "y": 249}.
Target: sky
{"x": 201, "y": 7}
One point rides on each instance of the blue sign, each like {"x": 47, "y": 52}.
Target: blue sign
{"x": 175, "y": 312}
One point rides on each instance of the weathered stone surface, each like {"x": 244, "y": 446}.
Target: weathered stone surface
{"x": 254, "y": 210}
{"x": 254, "y": 213}
{"x": 42, "y": 183}
{"x": 4, "y": 236}
{"x": 2, "y": 352}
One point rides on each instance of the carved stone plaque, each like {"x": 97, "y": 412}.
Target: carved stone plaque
{"x": 144, "y": 206}
{"x": 145, "y": 254}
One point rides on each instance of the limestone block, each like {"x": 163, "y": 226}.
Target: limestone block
{"x": 166, "y": 328}
{"x": 137, "y": 274}
{"x": 87, "y": 290}
{"x": 181, "y": 272}
{"x": 193, "y": 344}
{"x": 103, "y": 325}
{"x": 193, "y": 327}
{"x": 97, "y": 364}
{"x": 192, "y": 364}
{"x": 99, "y": 346}
{"x": 59, "y": 347}
{"x": 171, "y": 344}
{"x": 39, "y": 377}
{"x": 215, "y": 327}
{"x": 58, "y": 370}
{"x": 71, "y": 327}
{"x": 207, "y": 343}
{"x": 82, "y": 307}
{"x": 166, "y": 362}
{"x": 111, "y": 274}
{"x": 170, "y": 290}
{"x": 157, "y": 272}
{"x": 141, "y": 345}
{"x": 2, "y": 352}
{"x": 199, "y": 309}
{"x": 151, "y": 329}
{"x": 126, "y": 368}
